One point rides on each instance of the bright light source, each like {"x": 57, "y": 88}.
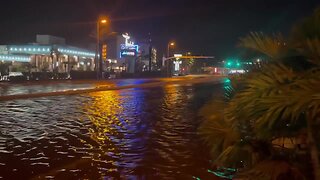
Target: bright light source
{"x": 172, "y": 44}
{"x": 103, "y": 21}
{"x": 227, "y": 80}
{"x": 241, "y": 71}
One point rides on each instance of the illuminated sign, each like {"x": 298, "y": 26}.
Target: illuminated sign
{"x": 104, "y": 51}
{"x": 177, "y": 65}
{"x": 127, "y": 37}
{"x": 128, "y": 50}
{"x": 177, "y": 55}
{"x": 126, "y": 53}
{"x": 129, "y": 47}
{"x": 15, "y": 74}
{"x": 241, "y": 71}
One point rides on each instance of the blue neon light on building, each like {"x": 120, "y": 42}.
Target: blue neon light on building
{"x": 128, "y": 50}
{"x": 15, "y": 58}
{"x": 48, "y": 50}
{"x": 29, "y": 49}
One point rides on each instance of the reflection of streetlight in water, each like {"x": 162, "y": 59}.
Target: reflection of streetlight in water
{"x": 102, "y": 112}
{"x": 171, "y": 94}
{"x": 115, "y": 127}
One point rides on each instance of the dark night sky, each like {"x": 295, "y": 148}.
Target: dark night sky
{"x": 209, "y": 27}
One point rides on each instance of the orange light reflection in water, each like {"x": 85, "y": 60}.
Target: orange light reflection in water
{"x": 103, "y": 111}
{"x": 171, "y": 94}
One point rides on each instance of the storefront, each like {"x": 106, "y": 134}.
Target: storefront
{"x": 49, "y": 54}
{"x": 53, "y": 58}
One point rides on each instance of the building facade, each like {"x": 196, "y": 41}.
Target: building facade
{"x": 121, "y": 55}
{"x": 48, "y": 54}
{"x": 51, "y": 54}
{"x": 144, "y": 57}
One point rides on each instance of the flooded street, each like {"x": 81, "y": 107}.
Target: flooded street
{"x": 147, "y": 133}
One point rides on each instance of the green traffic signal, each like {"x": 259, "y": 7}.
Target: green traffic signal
{"x": 232, "y": 64}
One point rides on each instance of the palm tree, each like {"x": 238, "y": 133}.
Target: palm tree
{"x": 275, "y": 102}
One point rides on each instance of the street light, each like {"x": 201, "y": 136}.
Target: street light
{"x": 103, "y": 21}
{"x": 170, "y": 44}
{"x": 99, "y": 58}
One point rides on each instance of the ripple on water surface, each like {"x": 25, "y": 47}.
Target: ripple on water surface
{"x": 128, "y": 134}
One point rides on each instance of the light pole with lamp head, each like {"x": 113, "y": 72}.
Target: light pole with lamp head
{"x": 98, "y": 49}
{"x": 170, "y": 44}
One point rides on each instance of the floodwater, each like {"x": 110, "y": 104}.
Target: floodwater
{"x": 148, "y": 133}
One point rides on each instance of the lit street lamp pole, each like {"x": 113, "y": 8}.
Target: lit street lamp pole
{"x": 98, "y": 49}
{"x": 170, "y": 44}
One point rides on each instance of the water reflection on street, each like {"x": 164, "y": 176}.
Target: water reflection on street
{"x": 136, "y": 133}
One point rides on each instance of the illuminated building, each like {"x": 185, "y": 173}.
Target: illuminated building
{"x": 122, "y": 54}
{"x": 48, "y": 54}
{"x": 144, "y": 54}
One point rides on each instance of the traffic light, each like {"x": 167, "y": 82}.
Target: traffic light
{"x": 232, "y": 64}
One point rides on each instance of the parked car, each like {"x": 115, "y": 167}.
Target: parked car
{"x": 16, "y": 76}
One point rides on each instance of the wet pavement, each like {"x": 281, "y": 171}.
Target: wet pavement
{"x": 46, "y": 87}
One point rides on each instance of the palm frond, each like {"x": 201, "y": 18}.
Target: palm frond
{"x": 272, "y": 170}
{"x": 217, "y": 132}
{"x": 235, "y": 156}
{"x": 308, "y": 28}
{"x": 302, "y": 98}
{"x": 270, "y": 46}
{"x": 266, "y": 111}
{"x": 272, "y": 80}
{"x": 310, "y": 49}
{"x": 275, "y": 98}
